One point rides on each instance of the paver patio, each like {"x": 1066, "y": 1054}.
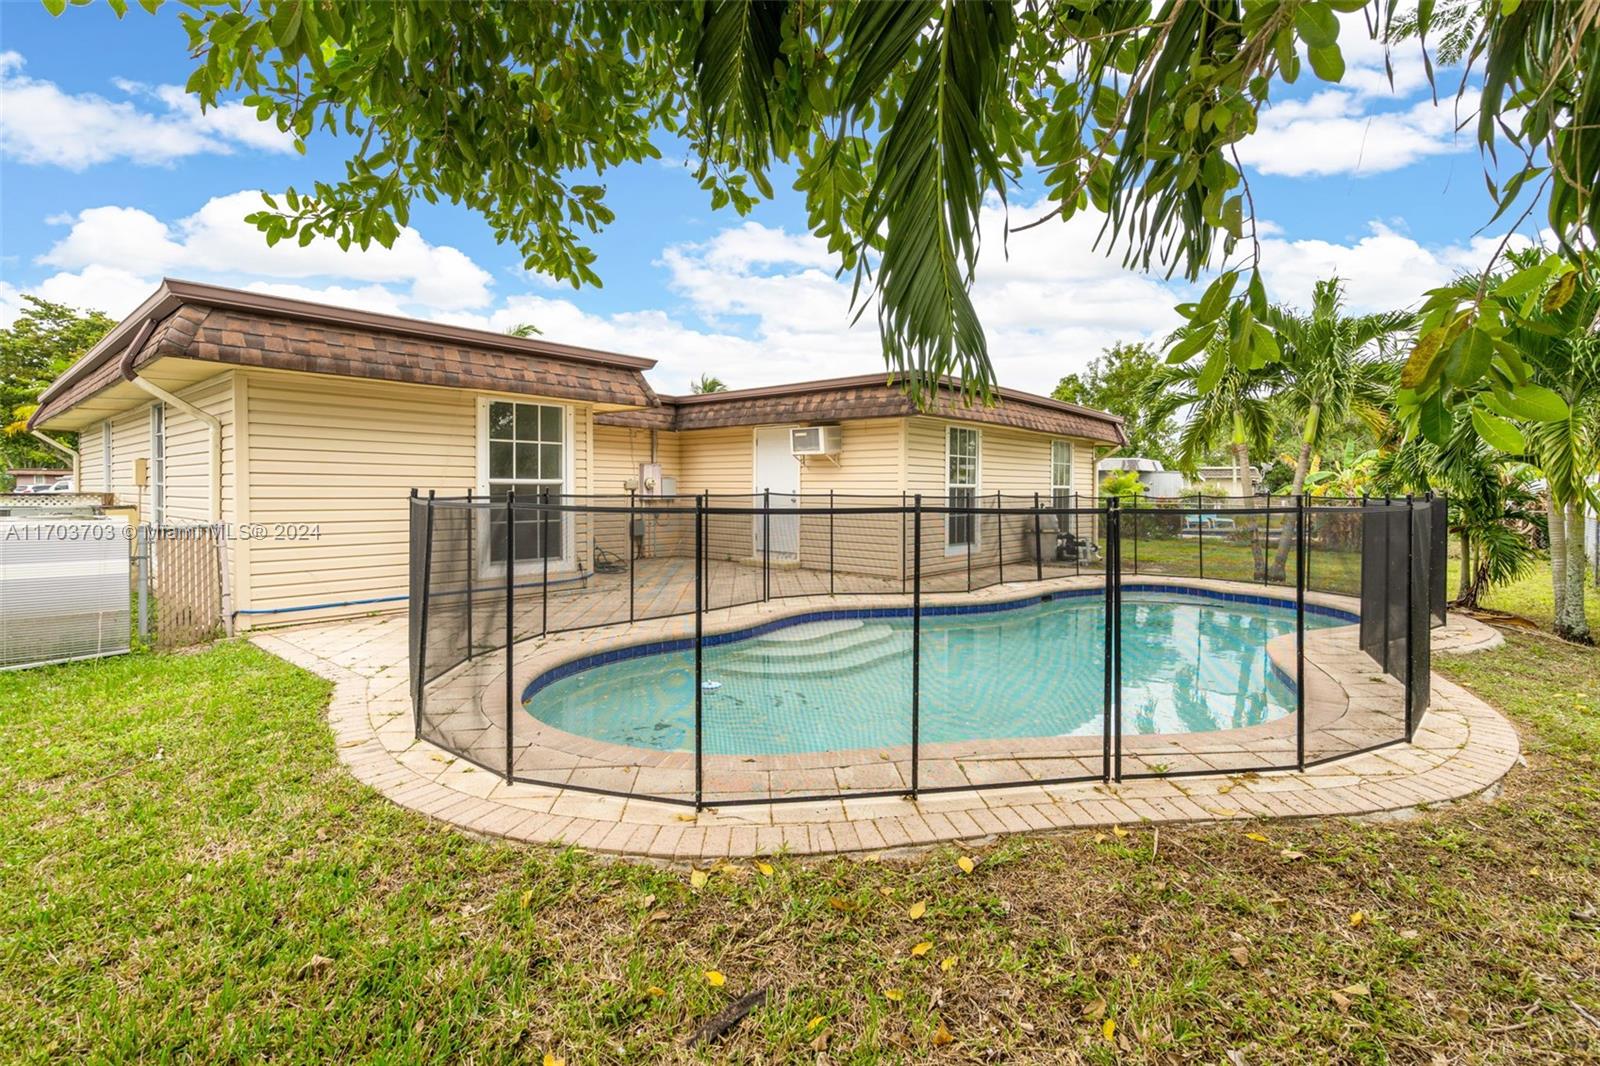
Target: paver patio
{"x": 1462, "y": 748}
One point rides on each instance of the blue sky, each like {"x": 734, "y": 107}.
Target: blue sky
{"x": 109, "y": 178}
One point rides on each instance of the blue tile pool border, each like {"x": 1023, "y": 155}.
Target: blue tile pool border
{"x": 663, "y": 647}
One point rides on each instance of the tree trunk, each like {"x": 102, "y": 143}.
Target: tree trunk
{"x": 1558, "y": 558}
{"x": 1577, "y": 622}
{"x": 1302, "y": 467}
{"x": 1464, "y": 577}
{"x": 1241, "y": 454}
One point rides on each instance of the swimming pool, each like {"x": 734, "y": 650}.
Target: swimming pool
{"x": 1191, "y": 663}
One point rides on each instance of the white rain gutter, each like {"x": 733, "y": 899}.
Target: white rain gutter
{"x": 70, "y": 453}
{"x": 211, "y": 422}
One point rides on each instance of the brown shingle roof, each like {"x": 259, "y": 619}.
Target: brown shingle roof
{"x": 870, "y": 396}
{"x": 215, "y": 324}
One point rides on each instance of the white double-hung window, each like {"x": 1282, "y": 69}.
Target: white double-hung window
{"x": 961, "y": 485}
{"x": 158, "y": 463}
{"x": 1061, "y": 473}
{"x": 106, "y": 476}
{"x": 525, "y": 450}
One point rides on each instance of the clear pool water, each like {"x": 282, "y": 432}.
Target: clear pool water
{"x": 1189, "y": 665}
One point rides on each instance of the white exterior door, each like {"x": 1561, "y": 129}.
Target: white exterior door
{"x": 778, "y": 471}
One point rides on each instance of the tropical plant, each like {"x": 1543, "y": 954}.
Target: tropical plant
{"x": 1332, "y": 366}
{"x": 1556, "y": 340}
{"x": 1123, "y": 484}
{"x": 707, "y": 383}
{"x": 1234, "y": 411}
{"x": 524, "y": 329}
{"x": 1491, "y": 505}
{"x": 45, "y": 339}
{"x": 897, "y": 119}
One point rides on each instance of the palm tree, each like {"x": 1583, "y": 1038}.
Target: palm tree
{"x": 1235, "y": 413}
{"x": 1332, "y": 368}
{"x": 1490, "y": 504}
{"x": 707, "y": 383}
{"x": 1556, "y": 336}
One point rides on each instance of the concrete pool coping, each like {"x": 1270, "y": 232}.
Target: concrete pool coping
{"x": 1462, "y": 748}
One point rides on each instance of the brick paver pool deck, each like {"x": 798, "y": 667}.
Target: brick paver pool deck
{"x": 1463, "y": 747}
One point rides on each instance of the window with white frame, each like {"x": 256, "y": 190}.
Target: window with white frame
{"x": 1061, "y": 473}
{"x": 961, "y": 485}
{"x": 158, "y": 463}
{"x": 105, "y": 457}
{"x": 525, "y": 444}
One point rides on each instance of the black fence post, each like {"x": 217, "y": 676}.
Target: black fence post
{"x": 544, "y": 550}
{"x": 1114, "y": 506}
{"x": 916, "y": 644}
{"x": 1106, "y": 639}
{"x": 1266, "y": 543}
{"x": 511, "y": 637}
{"x": 1300, "y": 541}
{"x": 422, "y": 622}
{"x": 902, "y": 542}
{"x": 830, "y": 542}
{"x": 766, "y": 544}
{"x": 1000, "y": 534}
{"x": 699, "y": 641}
{"x": 1133, "y": 502}
{"x": 1038, "y": 539}
{"x": 1200, "y": 534}
{"x": 635, "y": 546}
{"x": 1411, "y": 617}
{"x": 471, "y": 573}
{"x": 971, "y": 529}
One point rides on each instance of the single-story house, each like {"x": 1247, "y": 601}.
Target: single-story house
{"x": 303, "y": 428}
{"x": 28, "y": 477}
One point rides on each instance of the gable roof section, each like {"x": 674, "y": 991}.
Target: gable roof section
{"x": 867, "y": 396}
{"x": 241, "y": 328}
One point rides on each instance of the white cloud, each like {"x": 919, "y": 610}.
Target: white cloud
{"x": 1379, "y": 117}
{"x": 41, "y": 124}
{"x": 217, "y": 244}
{"x": 758, "y": 305}
{"x": 1384, "y": 270}
{"x": 1334, "y": 132}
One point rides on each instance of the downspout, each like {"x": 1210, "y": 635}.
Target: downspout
{"x": 214, "y": 432}
{"x": 211, "y": 422}
{"x": 70, "y": 453}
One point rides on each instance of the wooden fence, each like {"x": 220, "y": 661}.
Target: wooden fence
{"x": 179, "y": 584}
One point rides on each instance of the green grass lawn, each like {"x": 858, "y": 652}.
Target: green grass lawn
{"x": 1532, "y": 597}
{"x": 190, "y": 876}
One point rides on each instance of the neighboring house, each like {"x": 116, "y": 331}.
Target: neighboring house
{"x": 304, "y": 428}
{"x": 28, "y": 478}
{"x": 1229, "y": 480}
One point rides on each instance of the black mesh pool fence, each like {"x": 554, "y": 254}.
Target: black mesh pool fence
{"x": 933, "y": 643}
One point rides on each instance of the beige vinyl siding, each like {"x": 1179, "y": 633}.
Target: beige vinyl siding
{"x": 188, "y": 492}
{"x": 619, "y": 451}
{"x": 868, "y": 471}
{"x": 341, "y": 457}
{"x": 130, "y": 440}
{"x": 91, "y": 463}
{"x": 1013, "y": 462}
{"x": 722, "y": 462}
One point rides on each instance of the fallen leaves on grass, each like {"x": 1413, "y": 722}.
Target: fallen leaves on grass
{"x": 917, "y": 910}
{"x": 552, "y": 1059}
{"x": 947, "y": 964}
{"x": 922, "y": 949}
{"x": 942, "y": 1036}
{"x": 715, "y": 978}
{"x": 1359, "y": 918}
{"x": 893, "y": 995}
{"x": 765, "y": 868}
{"x": 966, "y": 864}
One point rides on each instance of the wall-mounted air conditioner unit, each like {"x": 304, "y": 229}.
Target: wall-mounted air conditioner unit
{"x": 816, "y": 440}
